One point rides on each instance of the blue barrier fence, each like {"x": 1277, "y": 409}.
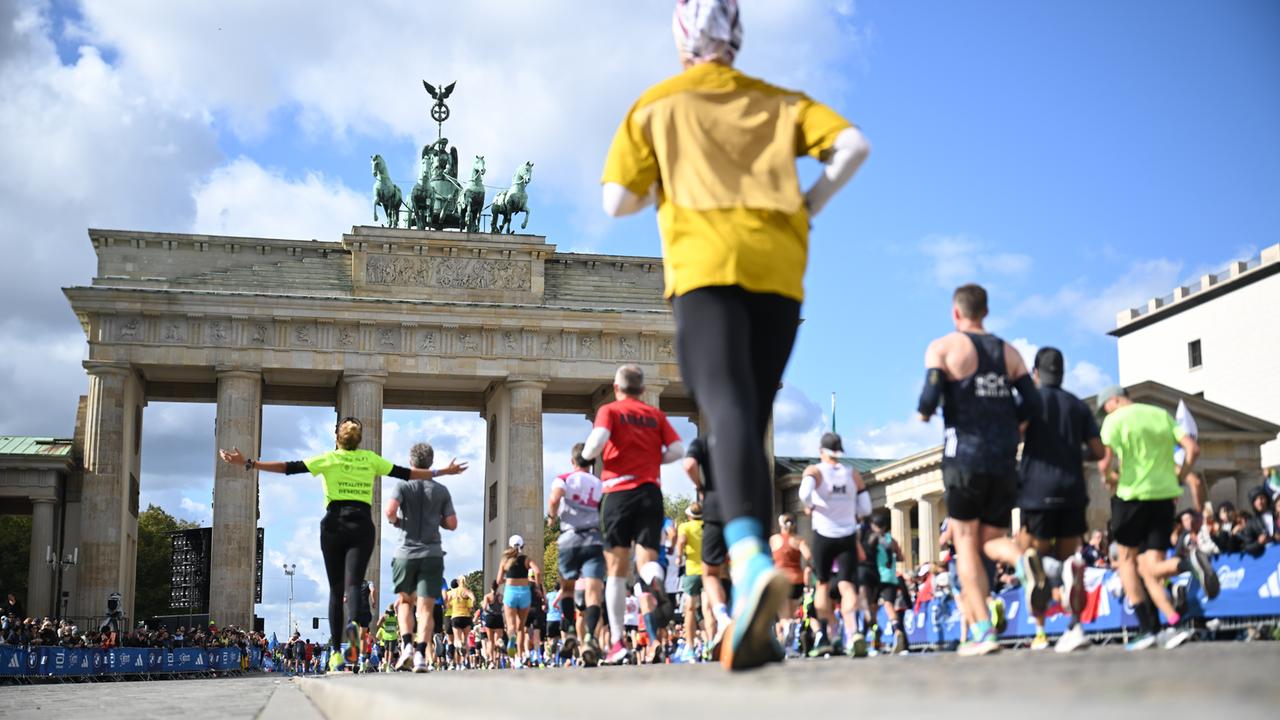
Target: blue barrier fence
{"x": 39, "y": 662}
{"x": 1250, "y": 587}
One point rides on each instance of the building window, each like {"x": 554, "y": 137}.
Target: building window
{"x": 1193, "y": 354}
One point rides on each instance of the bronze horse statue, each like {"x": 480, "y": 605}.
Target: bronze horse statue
{"x": 385, "y": 193}
{"x": 511, "y": 201}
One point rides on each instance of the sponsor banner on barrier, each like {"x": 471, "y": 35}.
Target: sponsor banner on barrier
{"x": 1250, "y": 587}
{"x": 78, "y": 662}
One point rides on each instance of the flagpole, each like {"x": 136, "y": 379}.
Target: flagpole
{"x": 833, "y": 412}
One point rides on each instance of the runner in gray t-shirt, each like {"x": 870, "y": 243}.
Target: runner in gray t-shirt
{"x": 419, "y": 508}
{"x": 575, "y": 503}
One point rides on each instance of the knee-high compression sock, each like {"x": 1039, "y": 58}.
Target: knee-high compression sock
{"x": 567, "y": 612}
{"x": 1145, "y": 611}
{"x": 615, "y": 596}
{"x": 593, "y": 618}
{"x": 747, "y": 549}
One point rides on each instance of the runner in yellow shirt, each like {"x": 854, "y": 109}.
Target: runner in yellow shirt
{"x": 715, "y": 150}
{"x": 689, "y": 548}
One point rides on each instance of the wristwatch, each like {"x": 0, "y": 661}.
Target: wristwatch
{"x": 249, "y": 463}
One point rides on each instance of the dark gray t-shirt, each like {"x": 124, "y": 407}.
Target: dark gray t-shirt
{"x": 423, "y": 504}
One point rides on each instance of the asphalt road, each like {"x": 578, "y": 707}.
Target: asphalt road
{"x": 1227, "y": 681}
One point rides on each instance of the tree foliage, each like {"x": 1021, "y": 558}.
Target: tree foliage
{"x": 673, "y": 506}
{"x": 475, "y": 583}
{"x": 15, "y": 538}
{"x": 154, "y": 556}
{"x": 550, "y": 554}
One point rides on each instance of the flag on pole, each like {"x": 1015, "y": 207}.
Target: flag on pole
{"x": 833, "y": 412}
{"x": 1188, "y": 424}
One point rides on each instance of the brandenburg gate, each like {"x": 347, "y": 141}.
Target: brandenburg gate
{"x": 499, "y": 324}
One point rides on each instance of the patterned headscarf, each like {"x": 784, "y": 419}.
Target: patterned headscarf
{"x": 707, "y": 30}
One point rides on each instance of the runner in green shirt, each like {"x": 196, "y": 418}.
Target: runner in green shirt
{"x": 1141, "y": 438}
{"x": 346, "y": 532}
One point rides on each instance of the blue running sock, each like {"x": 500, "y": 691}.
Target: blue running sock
{"x": 981, "y": 630}
{"x": 742, "y": 528}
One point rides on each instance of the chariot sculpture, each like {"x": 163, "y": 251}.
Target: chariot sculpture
{"x": 440, "y": 200}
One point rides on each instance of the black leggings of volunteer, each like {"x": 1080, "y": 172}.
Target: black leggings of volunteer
{"x": 346, "y": 541}
{"x": 733, "y": 346}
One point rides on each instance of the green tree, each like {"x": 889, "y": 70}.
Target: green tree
{"x": 550, "y": 554}
{"x": 475, "y": 583}
{"x": 15, "y": 538}
{"x": 673, "y": 506}
{"x": 154, "y": 556}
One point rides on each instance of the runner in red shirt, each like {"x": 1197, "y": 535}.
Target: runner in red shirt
{"x": 634, "y": 440}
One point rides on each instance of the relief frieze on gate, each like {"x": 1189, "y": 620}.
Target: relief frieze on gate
{"x": 448, "y": 272}
{"x": 405, "y": 338}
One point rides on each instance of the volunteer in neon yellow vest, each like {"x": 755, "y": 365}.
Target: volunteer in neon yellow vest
{"x": 346, "y": 531}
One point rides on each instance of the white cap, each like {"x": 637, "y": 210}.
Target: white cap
{"x": 515, "y": 541}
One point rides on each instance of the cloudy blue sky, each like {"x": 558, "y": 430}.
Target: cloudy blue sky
{"x": 1076, "y": 158}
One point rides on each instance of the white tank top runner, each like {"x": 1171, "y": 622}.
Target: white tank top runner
{"x": 835, "y": 502}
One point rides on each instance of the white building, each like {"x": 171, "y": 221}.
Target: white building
{"x": 1218, "y": 338}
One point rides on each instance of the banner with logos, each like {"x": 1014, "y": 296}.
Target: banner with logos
{"x": 80, "y": 662}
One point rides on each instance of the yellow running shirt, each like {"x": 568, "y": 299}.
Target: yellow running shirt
{"x": 459, "y": 604}
{"x": 692, "y": 530}
{"x": 349, "y": 474}
{"x": 721, "y": 147}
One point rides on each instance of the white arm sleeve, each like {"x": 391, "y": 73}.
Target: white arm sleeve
{"x": 807, "y": 488}
{"x": 863, "y": 508}
{"x": 595, "y": 443}
{"x": 619, "y": 201}
{"x": 847, "y": 154}
{"x": 675, "y": 451}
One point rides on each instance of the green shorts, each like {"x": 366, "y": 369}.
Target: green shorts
{"x": 418, "y": 576}
{"x": 691, "y": 585}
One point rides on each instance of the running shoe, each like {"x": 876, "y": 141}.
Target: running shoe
{"x": 666, "y": 610}
{"x": 420, "y": 663}
{"x": 511, "y": 647}
{"x": 1142, "y": 642}
{"x": 590, "y": 651}
{"x": 857, "y": 646}
{"x": 1072, "y": 639}
{"x": 900, "y": 642}
{"x": 352, "y": 637}
{"x": 821, "y": 648}
{"x": 1202, "y": 568}
{"x": 405, "y": 660}
{"x": 1040, "y": 642}
{"x": 750, "y": 639}
{"x": 985, "y": 645}
{"x": 995, "y": 606}
{"x": 617, "y": 654}
{"x": 570, "y": 645}
{"x": 1170, "y": 638}
{"x": 1030, "y": 572}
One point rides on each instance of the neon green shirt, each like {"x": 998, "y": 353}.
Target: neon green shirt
{"x": 1142, "y": 437}
{"x": 349, "y": 474}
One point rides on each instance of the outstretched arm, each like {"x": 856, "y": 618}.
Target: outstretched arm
{"x": 619, "y": 201}
{"x": 235, "y": 457}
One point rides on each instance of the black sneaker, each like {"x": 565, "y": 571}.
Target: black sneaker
{"x": 666, "y": 610}
{"x": 1202, "y": 568}
{"x": 590, "y": 651}
{"x": 570, "y": 645}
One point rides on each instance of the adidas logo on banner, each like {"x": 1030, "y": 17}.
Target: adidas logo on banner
{"x": 1271, "y": 588}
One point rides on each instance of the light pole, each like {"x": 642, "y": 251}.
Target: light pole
{"x": 290, "y": 570}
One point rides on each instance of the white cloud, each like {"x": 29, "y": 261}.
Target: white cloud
{"x": 958, "y": 259}
{"x": 195, "y": 511}
{"x": 896, "y": 439}
{"x": 1089, "y": 307}
{"x": 1082, "y": 377}
{"x": 798, "y": 423}
{"x": 242, "y": 198}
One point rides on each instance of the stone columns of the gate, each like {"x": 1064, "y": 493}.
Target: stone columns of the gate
{"x": 928, "y": 528}
{"x": 524, "y": 502}
{"x": 235, "y": 499}
{"x": 40, "y": 573}
{"x": 652, "y": 394}
{"x": 360, "y": 396}
{"x": 105, "y": 491}
{"x": 900, "y": 528}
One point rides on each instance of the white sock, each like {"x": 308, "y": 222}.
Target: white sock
{"x": 650, "y": 572}
{"x": 615, "y": 598}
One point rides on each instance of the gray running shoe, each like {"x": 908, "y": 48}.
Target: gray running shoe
{"x": 1202, "y": 567}
{"x": 1170, "y": 638}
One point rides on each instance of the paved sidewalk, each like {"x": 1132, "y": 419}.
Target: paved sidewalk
{"x": 1214, "y": 680}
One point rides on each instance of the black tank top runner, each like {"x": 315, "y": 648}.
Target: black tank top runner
{"x": 519, "y": 569}
{"x": 980, "y": 414}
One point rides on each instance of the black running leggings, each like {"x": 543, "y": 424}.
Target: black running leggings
{"x": 733, "y": 346}
{"x": 346, "y": 541}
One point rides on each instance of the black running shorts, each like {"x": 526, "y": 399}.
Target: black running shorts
{"x": 553, "y": 629}
{"x": 461, "y": 623}
{"x": 1056, "y": 524}
{"x": 842, "y": 553}
{"x": 1142, "y": 524}
{"x": 988, "y": 498}
{"x": 634, "y": 515}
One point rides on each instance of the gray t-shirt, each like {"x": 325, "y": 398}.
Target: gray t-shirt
{"x": 579, "y": 509}
{"x": 423, "y": 504}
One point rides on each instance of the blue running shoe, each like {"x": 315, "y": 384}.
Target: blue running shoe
{"x": 759, "y": 590}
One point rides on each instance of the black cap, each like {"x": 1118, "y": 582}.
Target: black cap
{"x": 1049, "y": 364}
{"x": 832, "y": 444}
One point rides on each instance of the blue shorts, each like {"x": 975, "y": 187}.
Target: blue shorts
{"x": 517, "y": 597}
{"x": 585, "y": 561}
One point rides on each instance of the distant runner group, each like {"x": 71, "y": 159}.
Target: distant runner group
{"x": 715, "y": 150}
